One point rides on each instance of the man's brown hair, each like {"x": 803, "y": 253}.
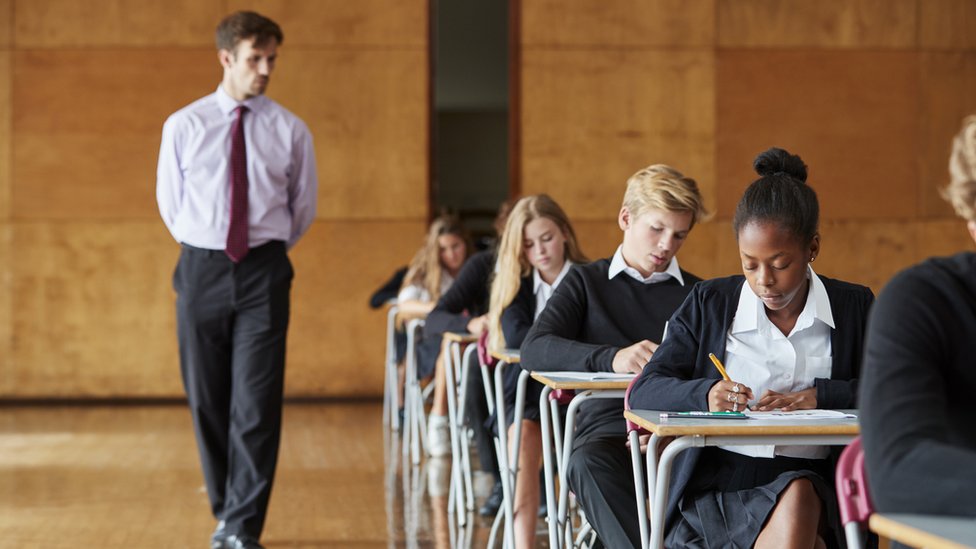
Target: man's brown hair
{"x": 247, "y": 24}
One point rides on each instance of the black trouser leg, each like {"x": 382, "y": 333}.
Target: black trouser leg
{"x": 233, "y": 321}
{"x": 476, "y": 409}
{"x": 601, "y": 475}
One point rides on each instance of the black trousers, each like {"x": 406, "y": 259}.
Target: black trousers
{"x": 232, "y": 320}
{"x": 600, "y": 472}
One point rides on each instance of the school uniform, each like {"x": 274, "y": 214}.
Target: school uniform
{"x": 722, "y": 497}
{"x": 468, "y": 298}
{"x": 918, "y": 422}
{"x": 428, "y": 348}
{"x": 516, "y": 319}
{"x": 597, "y": 310}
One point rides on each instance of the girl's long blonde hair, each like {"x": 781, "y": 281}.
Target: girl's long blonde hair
{"x": 512, "y": 264}
{"x": 425, "y": 267}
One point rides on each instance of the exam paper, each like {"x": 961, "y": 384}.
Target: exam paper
{"x": 794, "y": 415}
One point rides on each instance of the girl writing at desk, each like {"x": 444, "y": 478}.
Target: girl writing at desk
{"x": 790, "y": 339}
{"x": 537, "y": 249}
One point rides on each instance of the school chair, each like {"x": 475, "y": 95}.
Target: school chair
{"x": 391, "y": 393}
{"x": 852, "y": 495}
{"x": 415, "y": 395}
{"x": 634, "y": 432}
{"x": 487, "y": 364}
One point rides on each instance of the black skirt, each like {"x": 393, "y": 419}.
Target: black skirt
{"x": 731, "y": 496}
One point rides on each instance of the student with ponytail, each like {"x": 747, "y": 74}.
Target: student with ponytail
{"x": 790, "y": 339}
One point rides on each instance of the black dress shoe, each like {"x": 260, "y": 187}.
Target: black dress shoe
{"x": 241, "y": 541}
{"x": 219, "y": 536}
{"x": 493, "y": 503}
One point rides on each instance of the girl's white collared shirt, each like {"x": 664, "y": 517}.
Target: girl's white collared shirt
{"x": 544, "y": 291}
{"x": 761, "y": 357}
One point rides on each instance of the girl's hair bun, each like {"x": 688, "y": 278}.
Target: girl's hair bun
{"x": 776, "y": 161}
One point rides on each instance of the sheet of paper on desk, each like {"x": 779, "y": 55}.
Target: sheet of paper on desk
{"x": 794, "y": 415}
{"x": 592, "y": 376}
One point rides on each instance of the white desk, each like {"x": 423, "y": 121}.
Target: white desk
{"x": 697, "y": 433}
{"x": 593, "y": 385}
{"x": 929, "y": 531}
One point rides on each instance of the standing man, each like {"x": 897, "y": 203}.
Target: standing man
{"x": 236, "y": 187}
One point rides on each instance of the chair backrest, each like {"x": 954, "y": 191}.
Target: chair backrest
{"x": 852, "y": 493}
{"x": 483, "y": 355}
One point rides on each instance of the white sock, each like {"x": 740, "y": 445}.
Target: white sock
{"x": 435, "y": 420}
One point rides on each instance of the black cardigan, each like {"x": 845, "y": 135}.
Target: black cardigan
{"x": 918, "y": 422}
{"x": 680, "y": 374}
{"x": 587, "y": 320}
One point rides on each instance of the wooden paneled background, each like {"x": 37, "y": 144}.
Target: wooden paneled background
{"x": 867, "y": 91}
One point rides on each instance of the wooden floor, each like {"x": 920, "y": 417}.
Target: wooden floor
{"x": 129, "y": 476}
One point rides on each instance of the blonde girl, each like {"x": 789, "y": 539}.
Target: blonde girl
{"x": 537, "y": 249}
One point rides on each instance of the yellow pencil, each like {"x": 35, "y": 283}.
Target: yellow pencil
{"x": 718, "y": 366}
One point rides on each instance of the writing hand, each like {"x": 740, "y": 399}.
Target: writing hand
{"x": 729, "y": 396}
{"x": 800, "y": 400}
{"x": 631, "y": 360}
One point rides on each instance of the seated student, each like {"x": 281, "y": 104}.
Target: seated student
{"x": 789, "y": 339}
{"x": 607, "y": 316}
{"x": 917, "y": 420}
{"x": 389, "y": 290}
{"x": 537, "y": 249}
{"x": 431, "y": 273}
{"x": 463, "y": 309}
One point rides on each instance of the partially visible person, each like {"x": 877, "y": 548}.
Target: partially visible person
{"x": 388, "y": 291}
{"x": 464, "y": 309}
{"x": 537, "y": 249}
{"x": 236, "y": 187}
{"x": 790, "y": 339}
{"x": 609, "y": 316}
{"x": 918, "y": 423}
{"x": 432, "y": 271}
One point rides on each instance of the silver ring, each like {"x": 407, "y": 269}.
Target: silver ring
{"x": 735, "y": 406}
{"x": 732, "y": 397}
{"x": 735, "y": 388}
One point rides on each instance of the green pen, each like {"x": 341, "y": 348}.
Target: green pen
{"x": 703, "y": 415}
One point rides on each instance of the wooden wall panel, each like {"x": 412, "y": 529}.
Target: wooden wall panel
{"x": 88, "y": 125}
{"x": 6, "y": 22}
{"x": 618, "y": 23}
{"x": 94, "y": 310}
{"x": 866, "y": 252}
{"x": 590, "y": 119}
{"x": 344, "y": 23}
{"x": 5, "y": 141}
{"x": 368, "y": 114}
{"x": 336, "y": 342}
{"x": 825, "y": 24}
{"x": 940, "y": 237}
{"x": 838, "y": 111}
{"x": 947, "y": 82}
{"x": 6, "y": 306}
{"x": 72, "y": 23}
{"x": 947, "y": 24}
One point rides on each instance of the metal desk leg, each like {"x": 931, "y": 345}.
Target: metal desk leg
{"x": 679, "y": 445}
{"x": 451, "y": 356}
{"x": 547, "y": 465}
{"x": 502, "y": 422}
{"x": 635, "y": 459}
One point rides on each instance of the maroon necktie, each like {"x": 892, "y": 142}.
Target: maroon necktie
{"x": 237, "y": 243}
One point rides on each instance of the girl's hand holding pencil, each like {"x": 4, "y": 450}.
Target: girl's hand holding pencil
{"x": 727, "y": 395}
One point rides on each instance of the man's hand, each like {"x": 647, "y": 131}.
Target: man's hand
{"x": 631, "y": 360}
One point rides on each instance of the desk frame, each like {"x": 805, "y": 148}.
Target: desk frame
{"x": 699, "y": 433}
{"x": 560, "y": 528}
